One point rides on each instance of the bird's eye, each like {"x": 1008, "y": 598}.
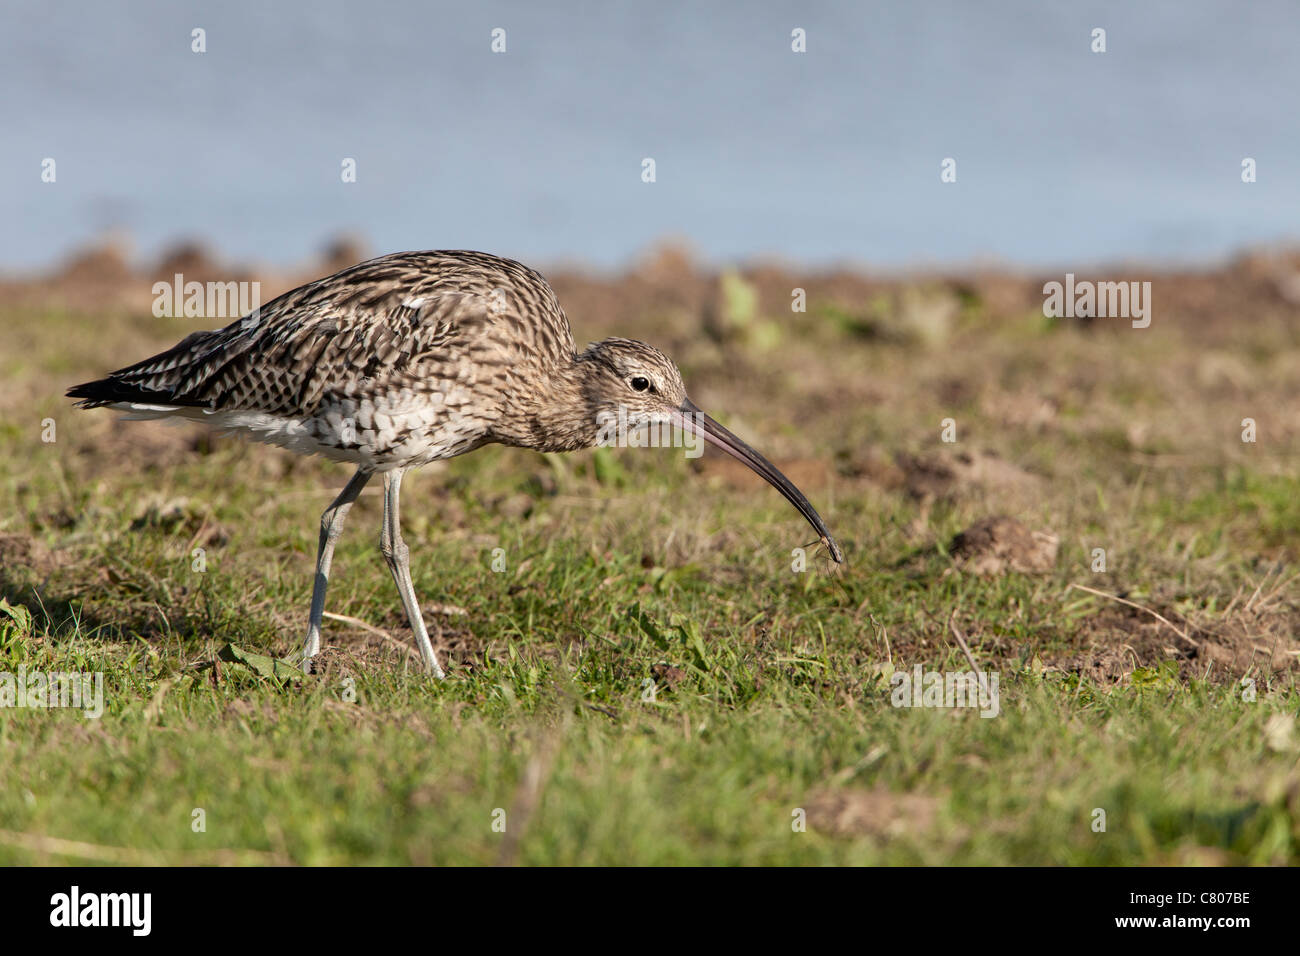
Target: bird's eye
{"x": 640, "y": 383}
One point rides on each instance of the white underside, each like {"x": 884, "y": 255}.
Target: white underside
{"x": 426, "y": 435}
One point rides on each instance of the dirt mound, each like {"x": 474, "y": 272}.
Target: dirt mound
{"x": 947, "y": 476}
{"x": 877, "y": 813}
{"x": 1000, "y": 544}
{"x": 23, "y": 551}
{"x": 1256, "y": 638}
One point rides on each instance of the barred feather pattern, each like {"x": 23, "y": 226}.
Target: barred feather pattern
{"x": 394, "y": 362}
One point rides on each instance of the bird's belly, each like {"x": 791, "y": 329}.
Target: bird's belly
{"x": 380, "y": 434}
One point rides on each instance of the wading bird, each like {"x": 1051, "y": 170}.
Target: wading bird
{"x": 407, "y": 359}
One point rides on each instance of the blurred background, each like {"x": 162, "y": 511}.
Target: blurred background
{"x": 1065, "y": 157}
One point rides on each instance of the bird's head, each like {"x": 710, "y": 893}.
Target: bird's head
{"x": 633, "y": 379}
{"x": 628, "y": 385}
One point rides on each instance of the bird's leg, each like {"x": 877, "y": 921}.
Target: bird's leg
{"x": 397, "y": 555}
{"x": 331, "y": 526}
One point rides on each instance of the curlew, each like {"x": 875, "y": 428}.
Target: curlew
{"x": 407, "y": 359}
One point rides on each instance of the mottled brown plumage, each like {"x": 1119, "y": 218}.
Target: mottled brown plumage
{"x": 407, "y": 359}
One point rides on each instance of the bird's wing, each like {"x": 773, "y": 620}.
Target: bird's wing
{"x": 384, "y": 324}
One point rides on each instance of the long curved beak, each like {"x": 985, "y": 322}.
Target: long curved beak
{"x": 692, "y": 419}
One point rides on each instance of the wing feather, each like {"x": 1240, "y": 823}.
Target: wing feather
{"x": 388, "y": 323}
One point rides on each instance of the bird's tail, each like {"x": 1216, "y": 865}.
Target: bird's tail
{"x": 115, "y": 391}
{"x": 158, "y": 383}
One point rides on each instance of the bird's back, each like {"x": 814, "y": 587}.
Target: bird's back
{"x": 398, "y": 357}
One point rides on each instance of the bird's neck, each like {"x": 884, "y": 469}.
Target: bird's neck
{"x": 550, "y": 411}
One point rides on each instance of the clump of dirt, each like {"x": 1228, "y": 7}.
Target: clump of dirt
{"x": 463, "y": 649}
{"x": 871, "y": 464}
{"x": 365, "y": 644}
{"x": 667, "y": 676}
{"x": 1119, "y": 640}
{"x": 945, "y": 476}
{"x": 1000, "y": 544}
{"x": 1258, "y": 639}
{"x": 877, "y": 813}
{"x": 349, "y": 649}
{"x": 1255, "y": 639}
{"x": 333, "y": 661}
{"x": 1103, "y": 666}
{"x": 24, "y": 551}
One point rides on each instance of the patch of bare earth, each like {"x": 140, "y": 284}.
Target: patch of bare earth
{"x": 349, "y": 642}
{"x": 877, "y": 813}
{"x": 999, "y": 544}
{"x": 948, "y": 476}
{"x": 1259, "y": 640}
{"x": 22, "y": 551}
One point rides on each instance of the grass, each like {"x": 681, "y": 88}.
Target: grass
{"x": 647, "y": 680}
